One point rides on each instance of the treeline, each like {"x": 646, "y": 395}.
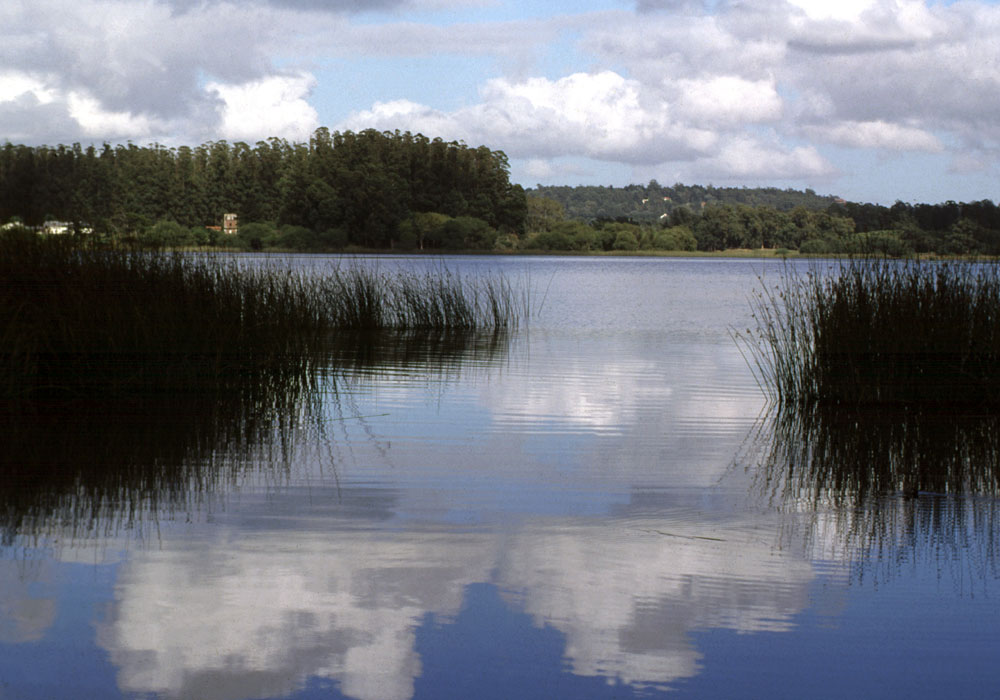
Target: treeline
{"x": 716, "y": 227}
{"x": 392, "y": 190}
{"x": 651, "y": 202}
{"x": 368, "y": 189}
{"x": 841, "y": 227}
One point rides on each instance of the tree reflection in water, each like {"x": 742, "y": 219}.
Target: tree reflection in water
{"x": 881, "y": 487}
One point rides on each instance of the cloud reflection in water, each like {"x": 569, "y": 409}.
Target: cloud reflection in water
{"x": 345, "y": 602}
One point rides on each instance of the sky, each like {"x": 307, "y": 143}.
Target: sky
{"x": 870, "y": 100}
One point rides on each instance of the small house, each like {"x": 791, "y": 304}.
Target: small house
{"x": 229, "y": 224}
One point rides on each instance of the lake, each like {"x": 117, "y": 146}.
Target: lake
{"x": 599, "y": 505}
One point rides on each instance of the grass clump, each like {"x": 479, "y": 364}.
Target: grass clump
{"x": 367, "y": 298}
{"x": 78, "y": 320}
{"x": 880, "y": 332}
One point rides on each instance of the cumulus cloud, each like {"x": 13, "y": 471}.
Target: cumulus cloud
{"x": 109, "y": 69}
{"x": 729, "y": 100}
{"x": 688, "y": 86}
{"x": 94, "y": 120}
{"x": 263, "y": 108}
{"x": 608, "y": 117}
{"x": 745, "y": 157}
{"x": 339, "y": 6}
{"x": 603, "y": 116}
{"x": 879, "y": 135}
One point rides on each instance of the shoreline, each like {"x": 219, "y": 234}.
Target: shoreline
{"x": 739, "y": 253}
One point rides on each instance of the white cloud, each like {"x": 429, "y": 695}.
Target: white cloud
{"x": 14, "y": 85}
{"x": 271, "y": 106}
{"x": 745, "y": 157}
{"x": 729, "y": 100}
{"x": 840, "y": 10}
{"x": 686, "y": 88}
{"x": 603, "y": 116}
{"x": 538, "y": 168}
{"x": 409, "y": 116}
{"x": 877, "y": 134}
{"x": 95, "y": 121}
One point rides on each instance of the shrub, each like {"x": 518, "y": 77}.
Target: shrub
{"x": 890, "y": 243}
{"x": 467, "y": 233}
{"x": 166, "y": 233}
{"x": 255, "y": 235}
{"x": 551, "y": 240}
{"x": 625, "y": 240}
{"x": 675, "y": 238}
{"x": 815, "y": 246}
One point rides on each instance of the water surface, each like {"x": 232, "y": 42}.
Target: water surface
{"x": 598, "y": 506}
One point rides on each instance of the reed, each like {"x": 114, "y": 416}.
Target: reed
{"x": 367, "y": 298}
{"x": 77, "y": 320}
{"x": 880, "y": 332}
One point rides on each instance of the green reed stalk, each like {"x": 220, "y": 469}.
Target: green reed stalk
{"x": 81, "y": 320}
{"x": 876, "y": 331}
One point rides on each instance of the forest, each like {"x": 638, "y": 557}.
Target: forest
{"x": 376, "y": 190}
{"x": 648, "y": 203}
{"x": 365, "y": 189}
{"x": 682, "y": 217}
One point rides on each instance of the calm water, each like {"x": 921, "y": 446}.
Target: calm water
{"x": 597, "y": 507}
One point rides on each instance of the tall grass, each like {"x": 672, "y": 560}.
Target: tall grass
{"x": 877, "y": 331}
{"x": 367, "y": 298}
{"x": 81, "y": 320}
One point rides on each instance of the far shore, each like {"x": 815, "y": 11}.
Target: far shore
{"x": 779, "y": 253}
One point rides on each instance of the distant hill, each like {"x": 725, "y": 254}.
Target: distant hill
{"x": 645, "y": 203}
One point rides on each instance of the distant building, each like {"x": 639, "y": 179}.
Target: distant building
{"x": 229, "y": 224}
{"x": 57, "y": 227}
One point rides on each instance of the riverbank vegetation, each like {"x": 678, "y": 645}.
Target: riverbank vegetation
{"x": 378, "y": 191}
{"x": 880, "y": 332}
{"x": 81, "y": 320}
{"x": 839, "y": 228}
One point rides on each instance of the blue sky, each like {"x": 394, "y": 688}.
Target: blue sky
{"x": 872, "y": 100}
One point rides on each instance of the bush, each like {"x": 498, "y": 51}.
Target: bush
{"x": 166, "y": 233}
{"x": 889, "y": 243}
{"x": 467, "y": 233}
{"x": 626, "y": 240}
{"x": 675, "y": 238}
{"x": 295, "y": 238}
{"x": 550, "y": 240}
{"x": 507, "y": 242}
{"x": 254, "y": 235}
{"x": 815, "y": 246}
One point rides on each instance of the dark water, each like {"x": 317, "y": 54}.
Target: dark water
{"x": 596, "y": 507}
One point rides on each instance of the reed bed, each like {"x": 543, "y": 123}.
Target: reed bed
{"x": 370, "y": 299}
{"x": 880, "y": 332}
{"x": 80, "y": 320}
